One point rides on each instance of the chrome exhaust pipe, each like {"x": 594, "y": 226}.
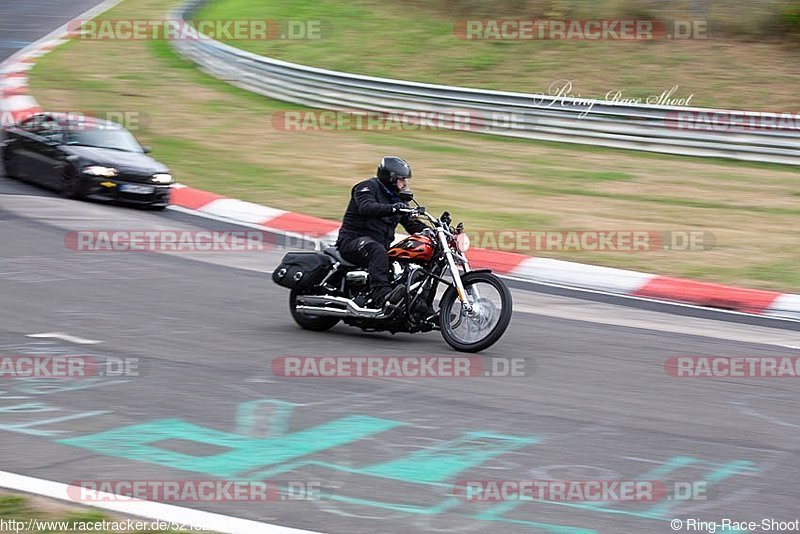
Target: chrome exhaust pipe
{"x": 320, "y": 305}
{"x": 319, "y": 310}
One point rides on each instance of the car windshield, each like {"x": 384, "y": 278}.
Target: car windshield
{"x": 116, "y": 139}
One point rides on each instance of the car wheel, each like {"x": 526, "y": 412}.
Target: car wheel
{"x": 72, "y": 186}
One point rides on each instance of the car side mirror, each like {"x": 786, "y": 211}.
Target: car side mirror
{"x": 406, "y": 195}
{"x": 146, "y": 149}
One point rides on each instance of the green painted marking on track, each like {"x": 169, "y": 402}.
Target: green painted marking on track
{"x": 263, "y": 447}
{"x": 139, "y": 442}
{"x": 432, "y": 466}
{"x": 446, "y": 460}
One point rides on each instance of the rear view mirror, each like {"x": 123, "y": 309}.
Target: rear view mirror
{"x": 146, "y": 149}
{"x": 406, "y": 195}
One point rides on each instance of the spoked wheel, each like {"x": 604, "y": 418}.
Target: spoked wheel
{"x": 71, "y": 184}
{"x": 317, "y": 323}
{"x": 480, "y": 328}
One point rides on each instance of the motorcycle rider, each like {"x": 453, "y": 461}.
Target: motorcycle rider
{"x": 369, "y": 222}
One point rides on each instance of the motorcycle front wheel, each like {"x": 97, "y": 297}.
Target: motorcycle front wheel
{"x": 480, "y": 329}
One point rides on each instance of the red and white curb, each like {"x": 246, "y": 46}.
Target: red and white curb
{"x": 16, "y": 102}
{"x": 540, "y": 270}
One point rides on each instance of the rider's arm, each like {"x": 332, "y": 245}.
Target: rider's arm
{"x": 368, "y": 206}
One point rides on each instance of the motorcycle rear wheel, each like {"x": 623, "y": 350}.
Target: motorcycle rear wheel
{"x": 317, "y": 323}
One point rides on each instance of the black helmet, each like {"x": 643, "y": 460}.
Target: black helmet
{"x": 392, "y": 169}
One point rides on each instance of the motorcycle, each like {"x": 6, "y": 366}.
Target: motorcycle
{"x": 474, "y": 309}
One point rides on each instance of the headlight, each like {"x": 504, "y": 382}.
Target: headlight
{"x": 162, "y": 178}
{"x": 463, "y": 242}
{"x": 96, "y": 170}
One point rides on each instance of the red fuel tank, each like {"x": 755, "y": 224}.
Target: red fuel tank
{"x": 415, "y": 247}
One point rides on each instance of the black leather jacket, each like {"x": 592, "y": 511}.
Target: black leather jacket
{"x": 369, "y": 213}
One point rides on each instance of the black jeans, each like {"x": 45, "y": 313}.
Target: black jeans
{"x": 365, "y": 251}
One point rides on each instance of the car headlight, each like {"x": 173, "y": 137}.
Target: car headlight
{"x": 97, "y": 170}
{"x": 162, "y": 178}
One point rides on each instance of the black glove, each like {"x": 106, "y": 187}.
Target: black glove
{"x": 397, "y": 206}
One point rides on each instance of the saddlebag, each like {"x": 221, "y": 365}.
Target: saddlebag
{"x": 301, "y": 270}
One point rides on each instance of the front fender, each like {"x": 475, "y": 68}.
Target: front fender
{"x": 482, "y": 270}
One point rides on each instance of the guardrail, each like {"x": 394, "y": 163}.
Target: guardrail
{"x": 665, "y": 129}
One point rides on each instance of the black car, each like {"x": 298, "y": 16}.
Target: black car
{"x": 85, "y": 157}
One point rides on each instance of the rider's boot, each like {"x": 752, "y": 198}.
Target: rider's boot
{"x": 387, "y": 298}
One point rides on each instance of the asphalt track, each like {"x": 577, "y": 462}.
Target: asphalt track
{"x": 597, "y": 403}
{"x": 24, "y": 21}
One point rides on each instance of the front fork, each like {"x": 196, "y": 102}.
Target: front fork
{"x": 451, "y": 262}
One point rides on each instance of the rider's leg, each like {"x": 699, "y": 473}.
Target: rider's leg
{"x": 367, "y": 251}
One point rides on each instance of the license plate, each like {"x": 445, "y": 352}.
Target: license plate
{"x": 137, "y": 189}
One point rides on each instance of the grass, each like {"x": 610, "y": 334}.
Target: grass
{"x": 220, "y": 138}
{"x": 57, "y": 515}
{"x": 415, "y": 40}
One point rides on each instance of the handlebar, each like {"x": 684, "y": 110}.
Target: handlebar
{"x": 440, "y": 224}
{"x": 411, "y": 210}
{"x": 419, "y": 211}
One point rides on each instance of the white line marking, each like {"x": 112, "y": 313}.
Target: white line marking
{"x": 147, "y": 509}
{"x": 573, "y": 308}
{"x": 65, "y": 337}
{"x": 24, "y": 428}
{"x": 647, "y": 299}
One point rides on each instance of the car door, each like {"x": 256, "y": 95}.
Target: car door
{"x": 51, "y": 158}
{"x": 20, "y": 147}
{"x": 28, "y": 159}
